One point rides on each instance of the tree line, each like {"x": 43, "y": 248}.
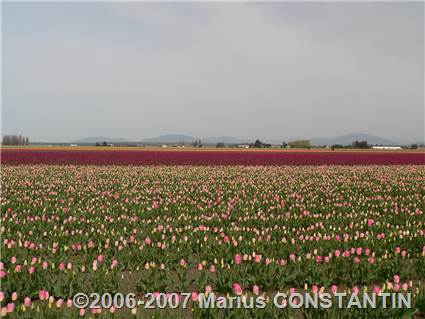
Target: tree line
{"x": 15, "y": 140}
{"x": 293, "y": 144}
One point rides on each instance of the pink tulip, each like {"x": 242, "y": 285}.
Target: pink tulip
{"x": 59, "y": 303}
{"x": 396, "y": 279}
{"x": 27, "y": 302}
{"x": 237, "y": 289}
{"x": 238, "y": 259}
{"x": 10, "y": 307}
{"x": 43, "y": 294}
{"x": 256, "y": 289}
{"x": 334, "y": 289}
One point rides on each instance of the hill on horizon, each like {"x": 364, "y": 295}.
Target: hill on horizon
{"x": 100, "y": 139}
{"x": 346, "y": 139}
{"x": 178, "y": 138}
{"x": 170, "y": 138}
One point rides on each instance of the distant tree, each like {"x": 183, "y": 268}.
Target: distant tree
{"x": 258, "y": 144}
{"x": 97, "y": 144}
{"x": 219, "y": 145}
{"x": 15, "y": 140}
{"x": 414, "y": 146}
{"x": 200, "y": 143}
{"x": 360, "y": 144}
{"x": 284, "y": 145}
{"x": 195, "y": 144}
{"x": 336, "y": 146}
{"x": 105, "y": 143}
{"x": 300, "y": 144}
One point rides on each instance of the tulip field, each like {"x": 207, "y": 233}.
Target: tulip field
{"x": 205, "y": 157}
{"x": 230, "y": 229}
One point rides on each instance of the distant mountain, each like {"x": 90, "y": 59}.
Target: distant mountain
{"x": 346, "y": 139}
{"x": 177, "y": 138}
{"x": 408, "y": 142}
{"x": 100, "y": 139}
{"x": 223, "y": 139}
{"x": 350, "y": 138}
{"x": 169, "y": 139}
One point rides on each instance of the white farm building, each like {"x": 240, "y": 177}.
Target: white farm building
{"x": 386, "y": 147}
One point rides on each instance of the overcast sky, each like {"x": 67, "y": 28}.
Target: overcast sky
{"x": 273, "y": 70}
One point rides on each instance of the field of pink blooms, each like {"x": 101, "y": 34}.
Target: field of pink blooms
{"x": 137, "y": 156}
{"x": 238, "y": 230}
